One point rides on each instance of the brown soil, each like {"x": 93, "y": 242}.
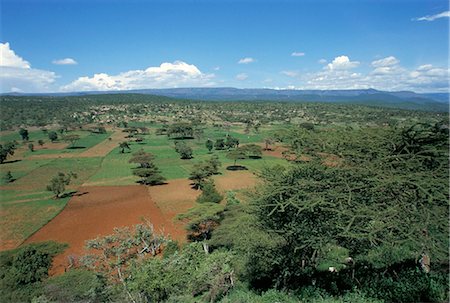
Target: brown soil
{"x": 106, "y": 146}
{"x": 96, "y": 211}
{"x": 274, "y": 150}
{"x": 235, "y": 180}
{"x": 100, "y": 150}
{"x": 173, "y": 198}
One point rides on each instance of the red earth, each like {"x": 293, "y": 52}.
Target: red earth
{"x": 95, "y": 211}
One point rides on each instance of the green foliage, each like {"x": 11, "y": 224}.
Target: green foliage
{"x": 8, "y": 177}
{"x": 22, "y": 270}
{"x": 75, "y": 286}
{"x": 31, "y": 147}
{"x": 184, "y": 275}
{"x": 53, "y": 136}
{"x": 58, "y": 183}
{"x": 209, "y": 193}
{"x": 147, "y": 170}
{"x": 24, "y": 134}
{"x": 6, "y": 150}
{"x": 123, "y": 146}
{"x": 209, "y": 145}
{"x": 72, "y": 138}
{"x": 183, "y": 149}
{"x": 180, "y": 131}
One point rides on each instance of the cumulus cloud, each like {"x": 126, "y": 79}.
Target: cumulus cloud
{"x": 297, "y": 54}
{"x": 445, "y": 14}
{"x": 167, "y": 75}
{"x": 17, "y": 75}
{"x": 322, "y": 61}
{"x": 241, "y": 77}
{"x": 386, "y": 74}
{"x": 65, "y": 61}
{"x": 9, "y": 58}
{"x": 289, "y": 73}
{"x": 342, "y": 63}
{"x": 246, "y": 60}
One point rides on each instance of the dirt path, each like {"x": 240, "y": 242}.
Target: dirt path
{"x": 96, "y": 211}
{"x": 100, "y": 150}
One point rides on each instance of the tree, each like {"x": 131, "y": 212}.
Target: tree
{"x": 6, "y": 150}
{"x": 58, "y": 183}
{"x": 231, "y": 142}
{"x": 31, "y": 147}
{"x": 209, "y": 193}
{"x": 184, "y": 150}
{"x": 268, "y": 142}
{"x": 41, "y": 142}
{"x": 8, "y": 177}
{"x": 180, "y": 130}
{"x": 30, "y": 265}
{"x": 251, "y": 150}
{"x": 24, "y": 134}
{"x": 72, "y": 139}
{"x": 53, "y": 136}
{"x": 236, "y": 154}
{"x": 214, "y": 164}
{"x": 209, "y": 145}
{"x": 113, "y": 254}
{"x": 220, "y": 144}
{"x": 123, "y": 146}
{"x": 147, "y": 170}
{"x": 199, "y": 174}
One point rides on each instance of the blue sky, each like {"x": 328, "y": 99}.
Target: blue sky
{"x": 108, "y": 45}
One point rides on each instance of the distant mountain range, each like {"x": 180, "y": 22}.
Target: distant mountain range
{"x": 400, "y": 99}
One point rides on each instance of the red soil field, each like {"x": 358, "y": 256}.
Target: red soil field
{"x": 95, "y": 211}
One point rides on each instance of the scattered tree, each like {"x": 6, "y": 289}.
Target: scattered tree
{"x": 209, "y": 193}
{"x": 8, "y": 177}
{"x": 59, "y": 182}
{"x": 24, "y": 134}
{"x": 41, "y": 142}
{"x": 123, "y": 146}
{"x": 53, "y": 136}
{"x": 72, "y": 139}
{"x": 184, "y": 150}
{"x": 220, "y": 144}
{"x": 31, "y": 147}
{"x": 6, "y": 150}
{"x": 209, "y": 145}
{"x": 147, "y": 170}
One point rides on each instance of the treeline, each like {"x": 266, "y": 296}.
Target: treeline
{"x": 76, "y": 111}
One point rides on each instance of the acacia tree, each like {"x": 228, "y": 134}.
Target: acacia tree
{"x": 59, "y": 182}
{"x": 112, "y": 254}
{"x": 376, "y": 209}
{"x": 53, "y": 136}
{"x": 24, "y": 134}
{"x": 123, "y": 146}
{"x": 209, "y": 145}
{"x": 147, "y": 170}
{"x": 6, "y": 150}
{"x": 72, "y": 139}
{"x": 184, "y": 150}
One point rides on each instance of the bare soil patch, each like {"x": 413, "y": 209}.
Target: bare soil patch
{"x": 173, "y": 198}
{"x": 235, "y": 180}
{"x": 106, "y": 146}
{"x": 95, "y": 212}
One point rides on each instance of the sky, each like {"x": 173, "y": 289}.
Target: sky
{"x": 70, "y": 45}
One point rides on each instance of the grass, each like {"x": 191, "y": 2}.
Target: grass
{"x": 26, "y": 205}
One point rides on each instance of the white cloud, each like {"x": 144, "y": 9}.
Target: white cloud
{"x": 10, "y": 59}
{"x": 246, "y": 60}
{"x": 297, "y": 54}
{"x": 388, "y": 61}
{"x": 65, "y": 61}
{"x": 322, "y": 61}
{"x": 167, "y": 75}
{"x": 445, "y": 14}
{"x": 241, "y": 77}
{"x": 387, "y": 74}
{"x": 17, "y": 75}
{"x": 289, "y": 73}
{"x": 342, "y": 63}
{"x": 216, "y": 68}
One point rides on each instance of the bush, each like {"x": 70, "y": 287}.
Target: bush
{"x": 209, "y": 193}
